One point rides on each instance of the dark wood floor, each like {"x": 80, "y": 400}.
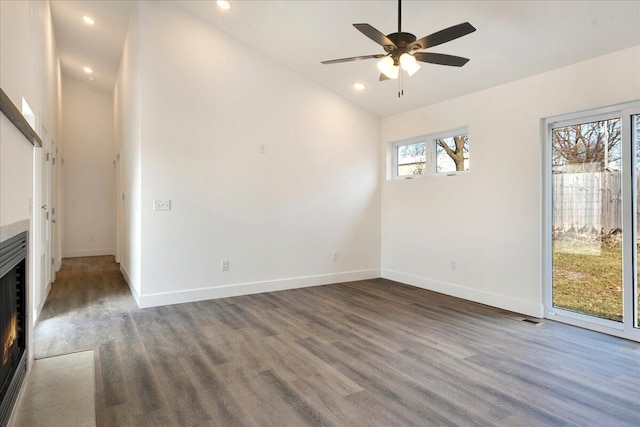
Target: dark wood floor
{"x": 368, "y": 353}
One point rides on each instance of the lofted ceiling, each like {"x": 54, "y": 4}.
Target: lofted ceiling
{"x": 514, "y": 39}
{"x": 99, "y": 46}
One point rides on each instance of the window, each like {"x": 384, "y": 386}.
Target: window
{"x": 441, "y": 153}
{"x": 452, "y": 153}
{"x": 411, "y": 159}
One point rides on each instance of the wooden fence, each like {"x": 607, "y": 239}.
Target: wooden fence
{"x": 587, "y": 202}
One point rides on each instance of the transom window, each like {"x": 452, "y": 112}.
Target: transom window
{"x": 441, "y": 153}
{"x": 452, "y": 153}
{"x": 412, "y": 159}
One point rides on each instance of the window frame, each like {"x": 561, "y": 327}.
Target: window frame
{"x": 394, "y": 156}
{"x": 430, "y": 141}
{"x": 449, "y": 134}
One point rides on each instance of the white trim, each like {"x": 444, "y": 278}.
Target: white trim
{"x": 592, "y": 325}
{"x": 132, "y": 288}
{"x": 562, "y": 313}
{"x": 239, "y": 289}
{"x": 88, "y": 252}
{"x": 488, "y": 298}
{"x": 592, "y": 114}
{"x": 632, "y": 297}
{"x": 629, "y": 204}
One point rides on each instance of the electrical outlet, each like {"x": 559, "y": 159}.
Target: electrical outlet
{"x": 336, "y": 256}
{"x": 224, "y": 265}
{"x": 454, "y": 264}
{"x": 162, "y": 205}
{"x": 263, "y": 149}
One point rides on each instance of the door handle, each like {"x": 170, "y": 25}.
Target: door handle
{"x": 53, "y": 220}
{"x": 44, "y": 207}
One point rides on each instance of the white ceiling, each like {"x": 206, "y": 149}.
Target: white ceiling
{"x": 514, "y": 39}
{"x": 99, "y": 46}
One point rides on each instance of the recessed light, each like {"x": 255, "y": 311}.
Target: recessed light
{"x": 92, "y": 79}
{"x": 87, "y": 20}
{"x": 88, "y": 70}
{"x": 223, "y": 4}
{"x": 359, "y": 86}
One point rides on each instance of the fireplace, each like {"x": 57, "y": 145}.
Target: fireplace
{"x": 13, "y": 321}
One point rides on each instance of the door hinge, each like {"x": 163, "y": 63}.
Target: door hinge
{"x": 53, "y": 211}
{"x": 47, "y": 217}
{"x": 52, "y": 261}
{"x": 47, "y": 157}
{"x": 54, "y": 161}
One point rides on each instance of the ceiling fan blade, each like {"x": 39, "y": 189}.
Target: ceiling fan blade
{"x": 439, "y": 58}
{"x": 383, "y": 77}
{"x": 443, "y": 36}
{"x": 353, "y": 58}
{"x": 375, "y": 35}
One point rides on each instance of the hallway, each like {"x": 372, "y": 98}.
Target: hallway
{"x": 88, "y": 305}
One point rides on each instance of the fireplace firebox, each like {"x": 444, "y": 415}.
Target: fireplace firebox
{"x": 13, "y": 321}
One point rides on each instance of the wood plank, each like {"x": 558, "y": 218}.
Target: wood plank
{"x": 364, "y": 353}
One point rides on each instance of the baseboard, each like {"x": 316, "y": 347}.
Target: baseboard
{"x": 88, "y": 252}
{"x": 192, "y": 295}
{"x": 127, "y": 279}
{"x": 488, "y": 298}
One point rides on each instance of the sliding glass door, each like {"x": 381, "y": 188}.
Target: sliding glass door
{"x": 593, "y": 216}
{"x": 587, "y": 218}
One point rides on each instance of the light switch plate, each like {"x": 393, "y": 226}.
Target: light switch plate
{"x": 162, "y": 205}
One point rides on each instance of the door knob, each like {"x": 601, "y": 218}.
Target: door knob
{"x": 44, "y": 207}
{"x": 53, "y": 221}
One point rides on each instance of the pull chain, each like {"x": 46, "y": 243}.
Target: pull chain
{"x": 400, "y": 85}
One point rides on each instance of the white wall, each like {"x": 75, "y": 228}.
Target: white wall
{"x": 490, "y": 220}
{"x": 16, "y": 174}
{"x": 127, "y": 138}
{"x": 29, "y": 68}
{"x": 207, "y": 105}
{"x": 89, "y": 177}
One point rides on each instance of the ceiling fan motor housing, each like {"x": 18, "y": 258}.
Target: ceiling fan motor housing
{"x": 403, "y": 44}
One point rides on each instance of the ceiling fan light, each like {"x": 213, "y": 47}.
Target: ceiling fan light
{"x": 411, "y": 69}
{"x": 388, "y": 68}
{"x": 409, "y": 64}
{"x": 393, "y": 72}
{"x": 385, "y": 63}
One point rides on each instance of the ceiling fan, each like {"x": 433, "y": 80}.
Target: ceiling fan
{"x": 402, "y": 48}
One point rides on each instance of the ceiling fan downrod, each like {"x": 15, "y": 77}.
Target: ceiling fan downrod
{"x": 399, "y": 16}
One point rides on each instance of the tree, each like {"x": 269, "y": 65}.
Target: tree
{"x": 416, "y": 155}
{"x": 596, "y": 143}
{"x": 457, "y": 152}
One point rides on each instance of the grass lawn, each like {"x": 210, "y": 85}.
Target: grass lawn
{"x": 588, "y": 278}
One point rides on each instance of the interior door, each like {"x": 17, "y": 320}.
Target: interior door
{"x": 54, "y": 210}
{"x": 45, "y": 217}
